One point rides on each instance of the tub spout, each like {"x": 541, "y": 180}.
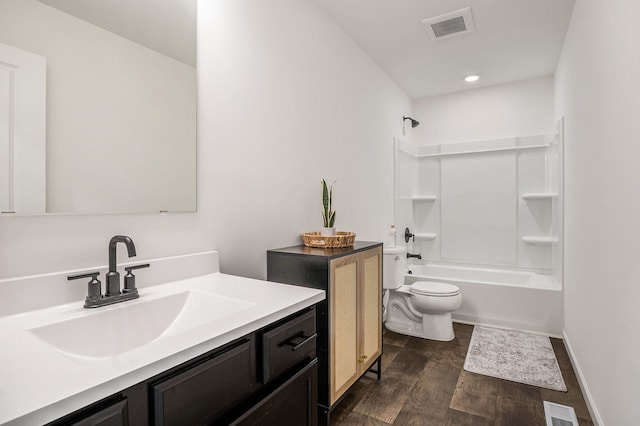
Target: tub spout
{"x": 417, "y": 256}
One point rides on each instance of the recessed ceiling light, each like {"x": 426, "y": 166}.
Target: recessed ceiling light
{"x": 471, "y": 78}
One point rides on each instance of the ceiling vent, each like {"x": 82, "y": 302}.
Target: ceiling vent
{"x": 449, "y": 24}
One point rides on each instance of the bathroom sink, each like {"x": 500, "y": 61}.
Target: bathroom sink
{"x": 113, "y": 330}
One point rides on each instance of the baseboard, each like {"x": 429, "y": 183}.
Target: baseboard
{"x": 505, "y": 326}
{"x": 593, "y": 410}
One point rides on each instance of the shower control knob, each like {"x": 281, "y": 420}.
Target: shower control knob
{"x": 408, "y": 235}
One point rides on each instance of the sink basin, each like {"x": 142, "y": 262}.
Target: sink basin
{"x": 117, "y": 329}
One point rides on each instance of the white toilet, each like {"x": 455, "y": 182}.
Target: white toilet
{"x": 422, "y": 309}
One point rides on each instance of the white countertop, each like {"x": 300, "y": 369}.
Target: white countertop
{"x": 39, "y": 383}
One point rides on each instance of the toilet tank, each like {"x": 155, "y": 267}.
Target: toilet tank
{"x": 394, "y": 262}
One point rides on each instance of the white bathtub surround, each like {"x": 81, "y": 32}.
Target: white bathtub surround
{"x": 505, "y": 298}
{"x": 492, "y": 211}
{"x": 514, "y": 355}
{"x": 45, "y": 375}
{"x": 483, "y": 202}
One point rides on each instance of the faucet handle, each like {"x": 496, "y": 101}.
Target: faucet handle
{"x": 134, "y": 267}
{"x": 130, "y": 279}
{"x": 408, "y": 235}
{"x": 94, "y": 287}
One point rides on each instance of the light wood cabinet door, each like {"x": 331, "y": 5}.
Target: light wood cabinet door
{"x": 355, "y": 299}
{"x": 343, "y": 357}
{"x": 370, "y": 301}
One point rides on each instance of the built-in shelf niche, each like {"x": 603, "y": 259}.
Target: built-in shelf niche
{"x": 436, "y": 204}
{"x": 420, "y": 198}
{"x": 436, "y": 151}
{"x": 424, "y": 198}
{"x": 539, "y": 240}
{"x": 539, "y": 196}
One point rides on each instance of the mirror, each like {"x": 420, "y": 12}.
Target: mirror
{"x": 98, "y": 106}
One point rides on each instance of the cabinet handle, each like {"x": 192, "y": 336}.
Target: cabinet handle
{"x": 296, "y": 346}
{"x": 362, "y": 358}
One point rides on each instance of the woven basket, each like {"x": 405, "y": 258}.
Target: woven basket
{"x": 341, "y": 239}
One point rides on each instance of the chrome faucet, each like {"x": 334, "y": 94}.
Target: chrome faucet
{"x": 112, "y": 294}
{"x": 113, "y": 276}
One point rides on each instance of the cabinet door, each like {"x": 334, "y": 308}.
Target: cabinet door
{"x": 370, "y": 304}
{"x": 203, "y": 393}
{"x": 293, "y": 403}
{"x": 343, "y": 352}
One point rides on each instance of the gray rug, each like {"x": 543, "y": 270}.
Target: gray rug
{"x": 514, "y": 355}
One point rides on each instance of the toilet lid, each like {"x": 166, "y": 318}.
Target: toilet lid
{"x": 429, "y": 288}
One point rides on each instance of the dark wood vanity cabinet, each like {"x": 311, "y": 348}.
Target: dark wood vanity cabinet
{"x": 268, "y": 377}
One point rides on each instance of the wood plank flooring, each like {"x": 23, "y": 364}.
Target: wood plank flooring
{"x": 423, "y": 384}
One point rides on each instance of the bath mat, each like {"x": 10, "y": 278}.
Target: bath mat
{"x": 514, "y": 355}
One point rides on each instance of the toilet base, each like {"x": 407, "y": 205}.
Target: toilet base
{"x": 428, "y": 318}
{"x": 433, "y": 327}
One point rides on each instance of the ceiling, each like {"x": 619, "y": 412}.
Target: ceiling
{"x": 167, "y": 26}
{"x": 513, "y": 40}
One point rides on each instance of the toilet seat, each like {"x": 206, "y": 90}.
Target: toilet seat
{"x": 429, "y": 288}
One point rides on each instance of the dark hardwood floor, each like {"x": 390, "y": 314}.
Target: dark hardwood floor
{"x": 423, "y": 384}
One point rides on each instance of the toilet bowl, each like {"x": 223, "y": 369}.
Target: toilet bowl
{"x": 422, "y": 309}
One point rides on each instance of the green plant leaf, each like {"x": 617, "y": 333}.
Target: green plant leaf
{"x": 328, "y": 215}
{"x": 325, "y": 203}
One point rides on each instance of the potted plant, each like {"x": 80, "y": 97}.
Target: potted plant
{"x": 328, "y": 215}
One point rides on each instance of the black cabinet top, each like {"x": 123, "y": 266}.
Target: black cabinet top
{"x": 329, "y": 253}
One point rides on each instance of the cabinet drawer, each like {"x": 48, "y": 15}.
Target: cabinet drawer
{"x": 206, "y": 391}
{"x": 100, "y": 414}
{"x": 288, "y": 344}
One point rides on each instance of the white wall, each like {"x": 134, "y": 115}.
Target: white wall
{"x": 288, "y": 100}
{"x": 598, "y": 94}
{"x": 522, "y": 108}
{"x": 284, "y": 100}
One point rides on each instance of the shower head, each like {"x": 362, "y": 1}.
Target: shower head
{"x": 414, "y": 123}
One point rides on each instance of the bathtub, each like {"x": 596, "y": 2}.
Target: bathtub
{"x": 502, "y": 298}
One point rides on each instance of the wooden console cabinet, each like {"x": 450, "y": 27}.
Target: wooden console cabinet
{"x": 349, "y": 321}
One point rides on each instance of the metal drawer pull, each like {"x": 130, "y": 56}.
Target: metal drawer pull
{"x": 296, "y": 346}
